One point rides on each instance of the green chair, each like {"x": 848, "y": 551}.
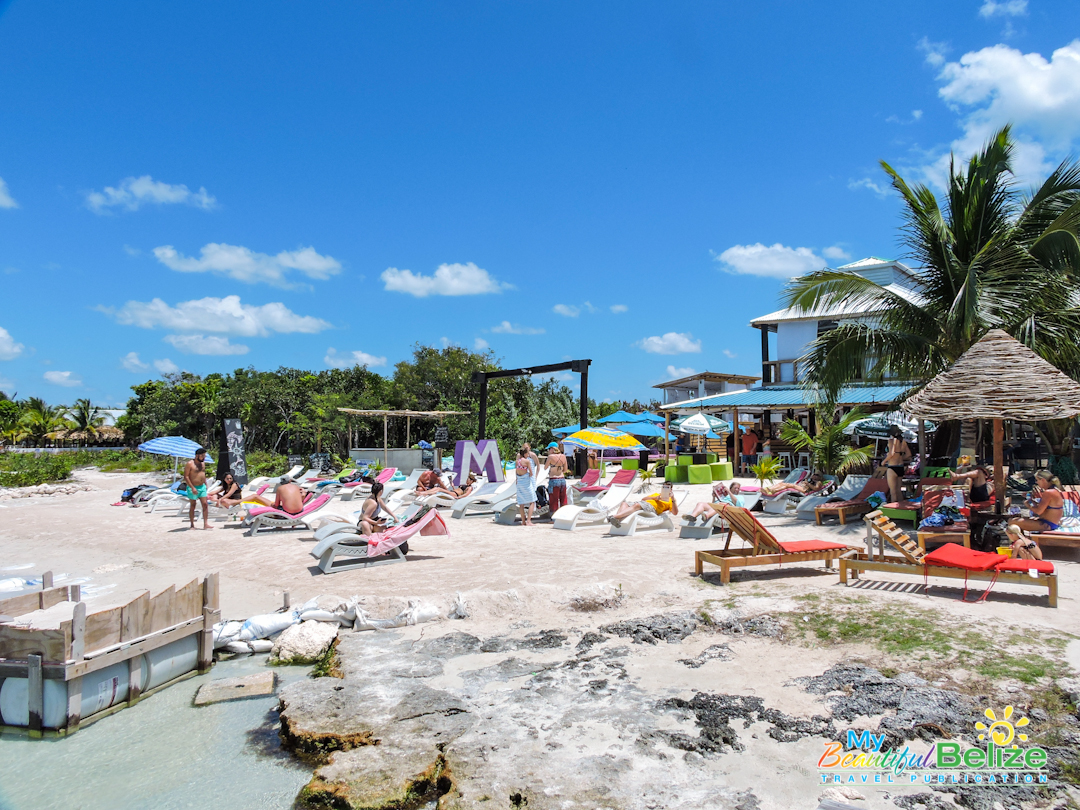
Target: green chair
{"x": 685, "y": 460}
{"x": 699, "y": 474}
{"x": 711, "y": 458}
{"x": 721, "y": 471}
{"x": 676, "y": 473}
{"x": 630, "y": 464}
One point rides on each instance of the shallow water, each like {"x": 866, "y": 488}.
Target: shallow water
{"x": 163, "y": 753}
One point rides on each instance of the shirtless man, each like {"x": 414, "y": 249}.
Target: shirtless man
{"x": 288, "y": 497}
{"x": 195, "y": 479}
{"x": 431, "y": 482}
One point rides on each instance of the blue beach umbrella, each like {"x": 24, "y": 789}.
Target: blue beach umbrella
{"x": 623, "y": 416}
{"x": 644, "y": 429}
{"x": 176, "y": 446}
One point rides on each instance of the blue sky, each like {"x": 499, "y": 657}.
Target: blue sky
{"x": 205, "y": 186}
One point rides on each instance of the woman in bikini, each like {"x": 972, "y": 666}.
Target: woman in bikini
{"x": 1023, "y": 547}
{"x": 229, "y": 495}
{"x": 978, "y": 477}
{"x": 1047, "y": 508}
{"x": 372, "y": 521}
{"x": 815, "y": 483}
{"x": 898, "y": 456}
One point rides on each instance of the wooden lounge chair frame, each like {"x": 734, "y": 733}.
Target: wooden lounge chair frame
{"x": 766, "y": 548}
{"x": 843, "y": 512}
{"x": 913, "y": 564}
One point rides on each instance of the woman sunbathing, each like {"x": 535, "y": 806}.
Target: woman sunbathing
{"x": 372, "y": 520}
{"x": 656, "y": 504}
{"x": 1048, "y": 507}
{"x": 229, "y": 494}
{"x": 721, "y": 495}
{"x": 815, "y": 483}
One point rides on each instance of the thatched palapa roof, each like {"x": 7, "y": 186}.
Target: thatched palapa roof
{"x": 998, "y": 378}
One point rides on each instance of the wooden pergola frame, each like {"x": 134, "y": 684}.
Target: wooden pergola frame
{"x": 409, "y": 416}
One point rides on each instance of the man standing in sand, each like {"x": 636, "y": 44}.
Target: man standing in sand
{"x": 195, "y": 479}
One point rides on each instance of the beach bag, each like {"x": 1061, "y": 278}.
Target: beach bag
{"x": 541, "y": 497}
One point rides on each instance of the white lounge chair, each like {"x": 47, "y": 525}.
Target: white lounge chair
{"x": 703, "y": 529}
{"x": 851, "y": 487}
{"x": 641, "y": 523}
{"x": 166, "y": 499}
{"x": 357, "y": 551}
{"x": 574, "y": 516}
{"x": 263, "y": 518}
{"x": 483, "y": 500}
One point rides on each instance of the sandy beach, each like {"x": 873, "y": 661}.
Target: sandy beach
{"x": 516, "y": 581}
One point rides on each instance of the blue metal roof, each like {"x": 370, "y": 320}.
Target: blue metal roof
{"x": 782, "y": 396}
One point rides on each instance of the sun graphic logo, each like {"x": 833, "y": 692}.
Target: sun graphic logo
{"x": 1003, "y": 731}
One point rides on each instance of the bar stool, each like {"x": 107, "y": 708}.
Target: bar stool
{"x": 804, "y": 460}
{"x": 785, "y": 460}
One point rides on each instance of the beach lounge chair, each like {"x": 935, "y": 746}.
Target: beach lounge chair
{"x": 340, "y": 551}
{"x": 851, "y": 487}
{"x": 640, "y": 523}
{"x": 855, "y": 506}
{"x": 765, "y": 549}
{"x": 703, "y": 530}
{"x": 586, "y": 487}
{"x": 779, "y": 504}
{"x": 575, "y": 516}
{"x": 263, "y": 518}
{"x": 951, "y": 561}
{"x": 933, "y": 493}
{"x": 483, "y": 499}
{"x": 169, "y": 498}
{"x": 363, "y": 488}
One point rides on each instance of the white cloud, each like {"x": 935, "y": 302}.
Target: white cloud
{"x": 481, "y": 345}
{"x": 671, "y": 343}
{"x": 166, "y": 366}
{"x": 916, "y": 114}
{"x": 835, "y": 252}
{"x": 730, "y": 353}
{"x": 449, "y": 279}
{"x": 133, "y": 192}
{"x": 224, "y": 315}
{"x": 777, "y": 261}
{"x": 507, "y": 328}
{"x": 445, "y": 341}
{"x": 205, "y": 344}
{"x": 934, "y": 51}
{"x": 619, "y": 308}
{"x": 68, "y": 379}
{"x": 566, "y": 310}
{"x": 677, "y": 373}
{"x": 132, "y": 362}
{"x": 6, "y": 200}
{"x": 9, "y": 349}
{"x": 869, "y": 185}
{"x": 350, "y": 359}
{"x": 243, "y": 264}
{"x": 1007, "y": 8}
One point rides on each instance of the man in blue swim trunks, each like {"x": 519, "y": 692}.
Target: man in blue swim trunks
{"x": 195, "y": 479}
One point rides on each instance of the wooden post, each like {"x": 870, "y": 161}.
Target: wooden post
{"x": 385, "y": 444}
{"x": 408, "y": 431}
{"x": 74, "y": 593}
{"x": 667, "y": 431}
{"x": 46, "y": 580}
{"x": 35, "y": 694}
{"x": 78, "y": 631}
{"x": 738, "y": 448}
{"x": 74, "y": 704}
{"x": 286, "y": 600}
{"x": 211, "y": 613}
{"x": 999, "y": 464}
{"x": 922, "y": 446}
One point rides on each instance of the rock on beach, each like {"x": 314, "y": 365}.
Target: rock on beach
{"x": 303, "y": 643}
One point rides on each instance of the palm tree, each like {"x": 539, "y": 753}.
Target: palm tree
{"x": 988, "y": 257}
{"x": 830, "y": 450}
{"x": 85, "y": 417}
{"x": 39, "y": 420}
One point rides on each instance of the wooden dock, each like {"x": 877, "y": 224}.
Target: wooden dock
{"x": 90, "y": 642}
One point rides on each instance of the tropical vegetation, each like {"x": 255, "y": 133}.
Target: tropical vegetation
{"x": 989, "y": 256}
{"x": 830, "y": 449}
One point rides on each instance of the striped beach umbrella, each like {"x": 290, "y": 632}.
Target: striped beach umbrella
{"x": 603, "y": 438}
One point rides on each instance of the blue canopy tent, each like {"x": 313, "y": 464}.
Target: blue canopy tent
{"x": 644, "y": 429}
{"x": 623, "y": 416}
{"x": 652, "y": 417}
{"x": 176, "y": 446}
{"x": 566, "y": 431}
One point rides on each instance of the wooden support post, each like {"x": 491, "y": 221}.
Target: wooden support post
{"x": 738, "y": 446}
{"x": 74, "y": 704}
{"x": 922, "y": 446}
{"x": 408, "y": 431}
{"x": 286, "y": 600}
{"x": 999, "y": 464}
{"x": 35, "y": 694}
{"x": 385, "y": 444}
{"x": 211, "y": 613}
{"x": 46, "y": 580}
{"x": 78, "y": 631}
{"x": 667, "y": 431}
{"x": 74, "y": 593}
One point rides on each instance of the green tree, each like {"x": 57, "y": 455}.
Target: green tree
{"x": 86, "y": 417}
{"x": 988, "y": 257}
{"x": 39, "y": 420}
{"x": 830, "y": 449}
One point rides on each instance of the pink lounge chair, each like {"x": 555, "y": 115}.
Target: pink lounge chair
{"x": 387, "y": 547}
{"x": 267, "y": 517}
{"x": 621, "y": 478}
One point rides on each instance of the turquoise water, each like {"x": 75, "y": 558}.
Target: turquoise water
{"x": 162, "y": 753}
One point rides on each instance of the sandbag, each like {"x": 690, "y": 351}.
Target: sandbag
{"x": 268, "y": 624}
{"x": 225, "y": 632}
{"x": 318, "y": 616}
